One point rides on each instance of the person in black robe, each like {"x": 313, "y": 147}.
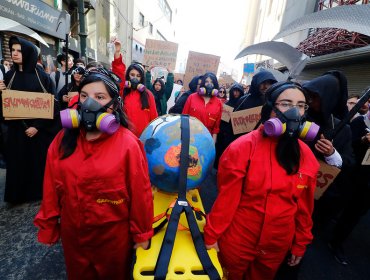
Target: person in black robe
{"x": 28, "y": 139}
{"x": 180, "y": 103}
{"x": 359, "y": 197}
{"x": 226, "y": 134}
{"x": 328, "y": 96}
{"x": 261, "y": 82}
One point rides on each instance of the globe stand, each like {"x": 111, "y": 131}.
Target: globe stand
{"x": 182, "y": 205}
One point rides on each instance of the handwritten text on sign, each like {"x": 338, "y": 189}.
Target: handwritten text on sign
{"x": 198, "y": 64}
{"x": 244, "y": 121}
{"x": 226, "y": 112}
{"x": 325, "y": 177}
{"x": 22, "y": 104}
{"x": 160, "y": 53}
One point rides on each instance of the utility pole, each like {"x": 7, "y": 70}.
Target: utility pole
{"x": 82, "y": 31}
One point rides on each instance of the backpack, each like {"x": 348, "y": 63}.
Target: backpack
{"x": 57, "y": 77}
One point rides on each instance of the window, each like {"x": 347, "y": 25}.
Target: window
{"x": 165, "y": 9}
{"x": 150, "y": 28}
{"x": 141, "y": 19}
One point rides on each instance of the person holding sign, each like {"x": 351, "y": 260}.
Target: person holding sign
{"x": 138, "y": 102}
{"x": 205, "y": 106}
{"x": 97, "y": 195}
{"x": 328, "y": 96}
{"x": 359, "y": 199}
{"x": 28, "y": 139}
{"x": 161, "y": 90}
{"x": 226, "y": 135}
{"x": 266, "y": 182}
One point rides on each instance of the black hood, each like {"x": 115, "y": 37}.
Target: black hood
{"x": 232, "y": 100}
{"x": 29, "y": 54}
{"x": 258, "y": 79}
{"x": 193, "y": 83}
{"x": 332, "y": 90}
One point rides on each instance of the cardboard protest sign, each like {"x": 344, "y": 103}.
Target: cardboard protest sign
{"x": 244, "y": 121}
{"x": 226, "y": 112}
{"x": 326, "y": 175}
{"x": 226, "y": 80}
{"x": 27, "y": 105}
{"x": 178, "y": 76}
{"x": 366, "y": 160}
{"x": 160, "y": 53}
{"x": 158, "y": 72}
{"x": 198, "y": 64}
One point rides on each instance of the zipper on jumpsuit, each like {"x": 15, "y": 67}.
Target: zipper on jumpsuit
{"x": 260, "y": 251}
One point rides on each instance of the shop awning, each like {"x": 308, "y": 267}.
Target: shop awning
{"x": 7, "y": 24}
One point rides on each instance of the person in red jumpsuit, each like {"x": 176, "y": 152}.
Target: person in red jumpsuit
{"x": 138, "y": 102}
{"x": 205, "y": 106}
{"x": 266, "y": 194}
{"x": 97, "y": 194}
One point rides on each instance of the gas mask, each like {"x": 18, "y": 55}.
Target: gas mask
{"x": 135, "y": 84}
{"x": 292, "y": 123}
{"x": 91, "y": 115}
{"x": 208, "y": 90}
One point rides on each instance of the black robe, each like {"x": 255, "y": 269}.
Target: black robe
{"x": 25, "y": 156}
{"x": 331, "y": 88}
{"x": 226, "y": 134}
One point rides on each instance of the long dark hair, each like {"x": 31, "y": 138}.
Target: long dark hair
{"x": 213, "y": 78}
{"x": 288, "y": 152}
{"x": 69, "y": 140}
{"x": 144, "y": 98}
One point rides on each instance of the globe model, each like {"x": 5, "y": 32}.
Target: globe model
{"x": 162, "y": 143}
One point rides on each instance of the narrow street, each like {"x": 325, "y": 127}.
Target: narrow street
{"x": 21, "y": 257}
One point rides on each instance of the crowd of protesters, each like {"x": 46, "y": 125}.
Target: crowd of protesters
{"x": 92, "y": 175}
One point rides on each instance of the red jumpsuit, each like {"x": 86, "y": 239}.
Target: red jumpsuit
{"x": 209, "y": 114}
{"x": 99, "y": 202}
{"x": 261, "y": 212}
{"x": 119, "y": 68}
{"x": 138, "y": 118}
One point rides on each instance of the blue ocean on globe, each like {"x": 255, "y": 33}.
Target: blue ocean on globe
{"x": 162, "y": 143}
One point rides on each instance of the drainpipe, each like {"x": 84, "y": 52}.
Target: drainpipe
{"x": 82, "y": 32}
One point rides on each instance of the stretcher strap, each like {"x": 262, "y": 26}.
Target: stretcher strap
{"x": 181, "y": 205}
{"x": 167, "y": 217}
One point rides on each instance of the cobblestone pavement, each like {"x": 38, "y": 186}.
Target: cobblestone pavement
{"x": 21, "y": 257}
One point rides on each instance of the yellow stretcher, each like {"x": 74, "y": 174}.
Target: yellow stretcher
{"x": 184, "y": 263}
